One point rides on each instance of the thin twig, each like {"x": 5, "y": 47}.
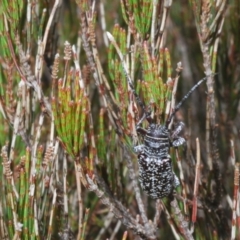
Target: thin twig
{"x": 50, "y": 225}
{"x": 171, "y": 222}
{"x": 182, "y": 223}
{"x": 153, "y": 26}
{"x": 42, "y": 44}
{"x": 235, "y": 200}
{"x": 117, "y": 208}
{"x": 184, "y": 187}
{"x": 65, "y": 192}
{"x": 196, "y": 182}
{"x": 106, "y": 223}
{"x": 103, "y": 22}
{"x": 115, "y": 230}
{"x": 79, "y": 194}
{"x": 158, "y": 212}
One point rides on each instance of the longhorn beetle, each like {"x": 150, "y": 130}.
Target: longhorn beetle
{"x": 155, "y": 166}
{"x": 156, "y": 175}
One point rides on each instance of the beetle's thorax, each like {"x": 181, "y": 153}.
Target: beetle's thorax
{"x": 156, "y": 141}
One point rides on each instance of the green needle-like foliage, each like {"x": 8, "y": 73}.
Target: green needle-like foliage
{"x": 156, "y": 91}
{"x": 69, "y": 124}
{"x": 70, "y": 106}
{"x": 10, "y": 15}
{"x": 138, "y": 14}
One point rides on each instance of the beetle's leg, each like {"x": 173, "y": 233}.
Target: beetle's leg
{"x": 176, "y": 181}
{"x": 147, "y": 116}
{"x": 141, "y": 130}
{"x": 177, "y": 140}
{"x": 139, "y": 148}
{"x": 140, "y": 121}
{"x": 178, "y": 129}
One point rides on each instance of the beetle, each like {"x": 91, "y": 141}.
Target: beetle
{"x": 156, "y": 175}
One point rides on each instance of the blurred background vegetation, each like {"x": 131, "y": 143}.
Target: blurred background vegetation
{"x": 68, "y": 116}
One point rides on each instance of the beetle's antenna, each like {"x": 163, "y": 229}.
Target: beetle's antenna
{"x": 185, "y": 98}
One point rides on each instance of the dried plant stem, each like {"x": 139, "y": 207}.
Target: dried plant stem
{"x": 11, "y": 197}
{"x": 235, "y": 201}
{"x": 171, "y": 104}
{"x": 89, "y": 52}
{"x": 29, "y": 18}
{"x": 65, "y": 195}
{"x": 118, "y": 209}
{"x": 2, "y": 109}
{"x": 49, "y": 235}
{"x": 30, "y": 79}
{"x": 115, "y": 230}
{"x": 218, "y": 17}
{"x": 206, "y": 34}
{"x": 3, "y": 227}
{"x": 34, "y": 155}
{"x": 184, "y": 190}
{"x": 107, "y": 221}
{"x": 85, "y": 224}
{"x": 79, "y": 194}
{"x": 164, "y": 18}
{"x": 211, "y": 131}
{"x": 42, "y": 44}
{"x": 36, "y": 229}
{"x": 159, "y": 42}
{"x": 16, "y": 236}
{"x": 103, "y": 22}
{"x": 182, "y": 223}
{"x": 153, "y": 26}
{"x": 158, "y": 213}
{"x": 232, "y": 153}
{"x": 51, "y": 137}
{"x": 208, "y": 149}
{"x": 78, "y": 70}
{"x": 196, "y": 182}
{"x": 129, "y": 34}
{"x": 67, "y": 58}
{"x": 171, "y": 222}
{"x": 15, "y": 128}
{"x": 238, "y": 216}
{"x": 38, "y": 134}
{"x": 215, "y": 46}
{"x": 124, "y": 65}
{"x": 133, "y": 49}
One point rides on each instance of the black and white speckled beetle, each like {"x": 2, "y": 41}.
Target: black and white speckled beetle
{"x": 156, "y": 175}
